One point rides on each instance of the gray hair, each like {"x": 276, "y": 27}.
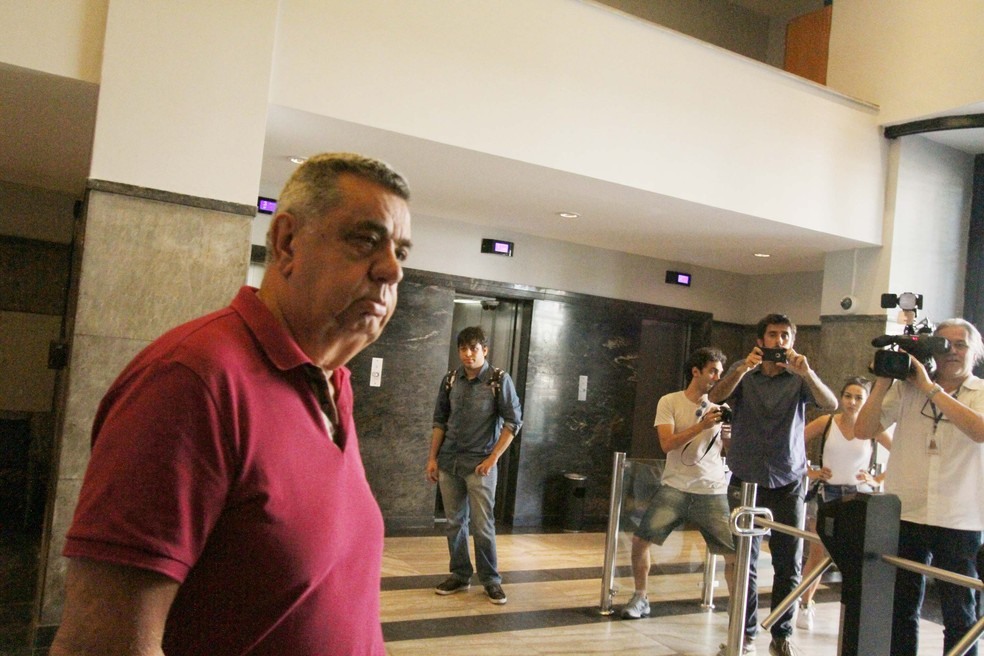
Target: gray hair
{"x": 312, "y": 191}
{"x": 974, "y": 342}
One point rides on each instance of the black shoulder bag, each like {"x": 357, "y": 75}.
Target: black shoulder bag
{"x": 815, "y": 486}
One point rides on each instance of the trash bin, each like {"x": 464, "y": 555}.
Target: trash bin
{"x": 575, "y": 486}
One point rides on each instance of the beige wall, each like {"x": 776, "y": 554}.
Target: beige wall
{"x": 920, "y": 57}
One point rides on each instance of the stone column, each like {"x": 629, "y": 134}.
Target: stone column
{"x": 164, "y": 234}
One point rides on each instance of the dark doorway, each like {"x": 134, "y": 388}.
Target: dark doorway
{"x": 663, "y": 349}
{"x": 507, "y": 325}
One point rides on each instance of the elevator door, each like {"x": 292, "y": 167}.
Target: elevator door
{"x": 503, "y": 321}
{"x": 663, "y": 350}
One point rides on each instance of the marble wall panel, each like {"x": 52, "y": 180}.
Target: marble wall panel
{"x": 149, "y": 265}
{"x": 95, "y": 364}
{"x": 394, "y": 420}
{"x": 845, "y": 347}
{"x": 571, "y": 335}
{"x": 53, "y": 593}
{"x": 562, "y": 434}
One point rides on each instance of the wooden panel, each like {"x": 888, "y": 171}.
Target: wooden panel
{"x": 807, "y": 43}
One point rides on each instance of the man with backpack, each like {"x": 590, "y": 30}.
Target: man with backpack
{"x": 476, "y": 416}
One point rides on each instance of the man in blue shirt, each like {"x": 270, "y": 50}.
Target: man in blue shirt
{"x": 768, "y": 398}
{"x": 476, "y": 416}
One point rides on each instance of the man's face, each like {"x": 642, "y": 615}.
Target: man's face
{"x": 777, "y": 335}
{"x": 472, "y": 356}
{"x": 958, "y": 362}
{"x": 342, "y": 271}
{"x": 707, "y": 377}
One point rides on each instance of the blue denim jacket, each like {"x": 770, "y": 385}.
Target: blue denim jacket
{"x": 471, "y": 418}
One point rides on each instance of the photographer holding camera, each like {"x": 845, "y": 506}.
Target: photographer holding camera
{"x": 768, "y": 392}
{"x": 694, "y": 481}
{"x": 937, "y": 471}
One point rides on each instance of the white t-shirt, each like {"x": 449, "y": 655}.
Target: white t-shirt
{"x": 695, "y": 467}
{"x": 939, "y": 476}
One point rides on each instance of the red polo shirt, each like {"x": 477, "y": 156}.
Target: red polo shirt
{"x": 211, "y": 464}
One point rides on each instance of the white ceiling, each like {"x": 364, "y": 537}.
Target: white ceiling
{"x": 46, "y": 127}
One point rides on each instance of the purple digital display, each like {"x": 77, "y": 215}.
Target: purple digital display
{"x": 497, "y": 247}
{"x": 266, "y": 205}
{"x": 678, "y": 278}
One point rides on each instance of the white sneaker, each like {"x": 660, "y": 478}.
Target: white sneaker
{"x": 637, "y": 607}
{"x": 804, "y": 620}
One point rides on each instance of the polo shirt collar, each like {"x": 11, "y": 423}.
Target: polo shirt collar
{"x": 273, "y": 337}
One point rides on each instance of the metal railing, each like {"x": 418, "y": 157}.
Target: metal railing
{"x": 748, "y": 522}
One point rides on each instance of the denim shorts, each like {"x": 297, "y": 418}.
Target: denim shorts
{"x": 826, "y": 494}
{"x": 670, "y": 508}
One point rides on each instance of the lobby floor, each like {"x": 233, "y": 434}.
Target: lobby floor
{"x": 553, "y": 582}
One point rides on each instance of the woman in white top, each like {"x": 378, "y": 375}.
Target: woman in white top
{"x": 844, "y": 462}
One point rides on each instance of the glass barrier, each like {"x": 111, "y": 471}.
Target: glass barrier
{"x": 680, "y": 568}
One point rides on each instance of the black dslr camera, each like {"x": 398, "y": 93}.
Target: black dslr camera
{"x": 726, "y": 414}
{"x": 922, "y": 345}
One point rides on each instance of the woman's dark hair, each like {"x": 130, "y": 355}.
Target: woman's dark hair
{"x": 863, "y": 383}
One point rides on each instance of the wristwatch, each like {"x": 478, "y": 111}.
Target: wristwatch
{"x": 933, "y": 392}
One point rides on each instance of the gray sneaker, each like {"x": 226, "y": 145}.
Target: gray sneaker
{"x": 451, "y": 585}
{"x": 747, "y": 647}
{"x": 782, "y": 647}
{"x": 637, "y": 607}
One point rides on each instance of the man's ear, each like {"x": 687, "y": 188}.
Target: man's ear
{"x": 283, "y": 232}
{"x": 694, "y": 372}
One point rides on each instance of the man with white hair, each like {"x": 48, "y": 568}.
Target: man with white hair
{"x": 937, "y": 472}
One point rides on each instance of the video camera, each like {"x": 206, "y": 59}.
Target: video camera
{"x": 922, "y": 345}
{"x": 894, "y": 362}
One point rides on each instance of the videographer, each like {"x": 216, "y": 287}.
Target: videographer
{"x": 768, "y": 392}
{"x": 937, "y": 471}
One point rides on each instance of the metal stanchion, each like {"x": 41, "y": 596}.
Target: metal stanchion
{"x": 611, "y": 536}
{"x": 742, "y": 525}
{"x": 710, "y": 574}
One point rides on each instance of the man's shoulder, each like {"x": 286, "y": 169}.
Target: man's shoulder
{"x": 674, "y": 397}
{"x": 973, "y": 383}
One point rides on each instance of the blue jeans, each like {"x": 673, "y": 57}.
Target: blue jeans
{"x": 948, "y": 549}
{"x": 469, "y": 500}
{"x": 786, "y": 504}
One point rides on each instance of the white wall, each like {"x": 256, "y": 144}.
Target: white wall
{"x": 453, "y": 247}
{"x": 931, "y": 220}
{"x": 62, "y": 38}
{"x": 920, "y": 57}
{"x": 575, "y": 87}
{"x": 927, "y": 216}
{"x": 194, "y": 125}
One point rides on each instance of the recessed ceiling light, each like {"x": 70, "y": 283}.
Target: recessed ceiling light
{"x": 568, "y": 215}
{"x": 295, "y": 159}
{"x": 762, "y": 255}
